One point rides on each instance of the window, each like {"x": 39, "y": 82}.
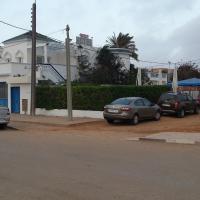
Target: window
{"x": 40, "y": 59}
{"x": 167, "y": 97}
{"x": 49, "y": 59}
{"x": 147, "y": 102}
{"x": 139, "y": 103}
{"x": 190, "y": 98}
{"x": 182, "y": 97}
{"x": 8, "y": 60}
{"x": 122, "y": 101}
{"x": 3, "y": 90}
{"x": 20, "y": 60}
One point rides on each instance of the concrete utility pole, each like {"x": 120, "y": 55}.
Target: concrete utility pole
{"x": 139, "y": 77}
{"x": 33, "y": 63}
{"x": 68, "y": 71}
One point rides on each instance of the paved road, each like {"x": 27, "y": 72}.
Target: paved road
{"x": 47, "y": 164}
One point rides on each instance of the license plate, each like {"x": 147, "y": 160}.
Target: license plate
{"x": 166, "y": 105}
{"x": 113, "y": 111}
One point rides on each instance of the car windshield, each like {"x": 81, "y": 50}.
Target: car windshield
{"x": 167, "y": 97}
{"x": 122, "y": 101}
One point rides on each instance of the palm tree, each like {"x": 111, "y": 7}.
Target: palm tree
{"x": 123, "y": 41}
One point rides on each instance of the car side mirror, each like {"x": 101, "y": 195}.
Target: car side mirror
{"x": 152, "y": 104}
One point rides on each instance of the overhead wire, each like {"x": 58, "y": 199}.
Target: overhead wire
{"x": 13, "y": 26}
{"x": 59, "y": 41}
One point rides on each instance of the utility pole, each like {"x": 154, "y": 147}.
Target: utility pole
{"x": 33, "y": 63}
{"x": 68, "y": 75}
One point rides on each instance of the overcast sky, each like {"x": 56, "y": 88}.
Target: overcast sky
{"x": 164, "y": 30}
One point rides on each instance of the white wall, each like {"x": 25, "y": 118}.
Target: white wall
{"x": 12, "y": 49}
{"x": 76, "y": 113}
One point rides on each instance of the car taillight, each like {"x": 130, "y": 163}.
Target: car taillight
{"x": 177, "y": 104}
{"x": 125, "y": 109}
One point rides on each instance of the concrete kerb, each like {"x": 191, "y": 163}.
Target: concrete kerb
{"x": 185, "y": 141}
{"x": 52, "y": 121}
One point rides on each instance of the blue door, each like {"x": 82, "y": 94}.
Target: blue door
{"x": 15, "y": 99}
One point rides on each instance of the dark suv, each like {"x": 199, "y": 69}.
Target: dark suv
{"x": 178, "y": 103}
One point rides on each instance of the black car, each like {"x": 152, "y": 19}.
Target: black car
{"x": 178, "y": 103}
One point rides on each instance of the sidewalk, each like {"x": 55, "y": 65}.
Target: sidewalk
{"x": 46, "y": 120}
{"x": 172, "y": 137}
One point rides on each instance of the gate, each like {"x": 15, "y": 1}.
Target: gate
{"x": 3, "y": 94}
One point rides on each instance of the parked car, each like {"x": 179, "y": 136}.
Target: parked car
{"x": 4, "y": 116}
{"x": 131, "y": 109}
{"x": 178, "y": 103}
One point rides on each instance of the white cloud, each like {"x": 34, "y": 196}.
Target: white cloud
{"x": 164, "y": 30}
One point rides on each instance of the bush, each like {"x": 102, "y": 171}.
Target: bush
{"x": 93, "y": 97}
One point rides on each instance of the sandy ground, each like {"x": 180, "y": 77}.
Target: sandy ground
{"x": 191, "y": 123}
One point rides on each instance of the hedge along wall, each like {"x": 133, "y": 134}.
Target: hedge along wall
{"x": 93, "y": 97}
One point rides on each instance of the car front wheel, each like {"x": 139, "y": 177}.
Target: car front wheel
{"x": 135, "y": 120}
{"x": 157, "y": 116}
{"x": 110, "y": 121}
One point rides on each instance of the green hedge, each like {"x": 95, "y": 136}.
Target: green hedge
{"x": 93, "y": 97}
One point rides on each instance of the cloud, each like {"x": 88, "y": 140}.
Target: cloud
{"x": 164, "y": 30}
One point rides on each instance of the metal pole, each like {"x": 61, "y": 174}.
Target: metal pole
{"x": 33, "y": 66}
{"x": 68, "y": 71}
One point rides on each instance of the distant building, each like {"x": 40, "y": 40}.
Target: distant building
{"x": 159, "y": 75}
{"x": 84, "y": 39}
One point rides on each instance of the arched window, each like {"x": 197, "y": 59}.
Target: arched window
{"x": 19, "y": 56}
{"x": 7, "y": 57}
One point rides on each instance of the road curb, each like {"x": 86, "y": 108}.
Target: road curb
{"x": 168, "y": 141}
{"x": 68, "y": 124}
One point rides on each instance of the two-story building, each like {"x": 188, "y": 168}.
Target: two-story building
{"x": 15, "y": 65}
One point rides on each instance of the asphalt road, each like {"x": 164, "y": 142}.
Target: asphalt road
{"x": 47, "y": 164}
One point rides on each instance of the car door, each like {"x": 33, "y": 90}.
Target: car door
{"x": 139, "y": 107}
{"x": 149, "y": 109}
{"x": 191, "y": 103}
{"x": 186, "y": 101}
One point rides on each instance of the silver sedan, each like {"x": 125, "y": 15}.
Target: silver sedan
{"x": 132, "y": 109}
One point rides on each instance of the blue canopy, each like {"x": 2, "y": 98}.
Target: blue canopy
{"x": 190, "y": 82}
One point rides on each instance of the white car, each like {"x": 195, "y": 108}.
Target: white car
{"x": 4, "y": 116}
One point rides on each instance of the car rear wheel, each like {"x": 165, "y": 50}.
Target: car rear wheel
{"x": 157, "y": 116}
{"x": 197, "y": 110}
{"x": 181, "y": 113}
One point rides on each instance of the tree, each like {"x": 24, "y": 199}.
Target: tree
{"x": 187, "y": 71}
{"x": 85, "y": 69}
{"x": 109, "y": 69}
{"x": 123, "y": 41}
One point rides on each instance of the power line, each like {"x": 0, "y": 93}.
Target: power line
{"x": 13, "y": 26}
{"x": 58, "y": 31}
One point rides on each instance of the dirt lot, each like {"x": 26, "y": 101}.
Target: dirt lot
{"x": 190, "y": 123}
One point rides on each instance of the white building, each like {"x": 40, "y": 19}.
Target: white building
{"x": 15, "y": 65}
{"x": 15, "y": 68}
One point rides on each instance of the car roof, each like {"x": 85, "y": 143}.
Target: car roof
{"x": 131, "y": 98}
{"x": 178, "y": 93}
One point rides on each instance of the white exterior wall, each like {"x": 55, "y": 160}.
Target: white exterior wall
{"x": 76, "y": 113}
{"x": 124, "y": 55}
{"x": 13, "y": 48}
{"x": 25, "y": 93}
